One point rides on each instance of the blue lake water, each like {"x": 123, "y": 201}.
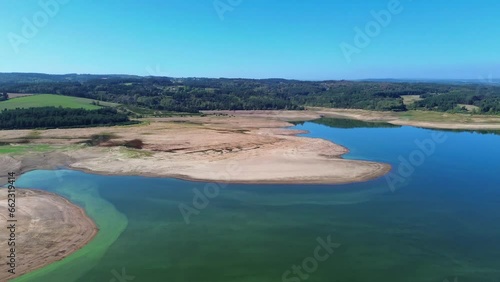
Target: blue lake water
{"x": 435, "y": 218}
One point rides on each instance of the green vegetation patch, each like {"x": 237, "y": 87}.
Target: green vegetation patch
{"x": 141, "y": 112}
{"x": 411, "y": 99}
{"x": 468, "y": 108}
{"x": 135, "y": 153}
{"x": 50, "y": 100}
{"x": 52, "y": 117}
{"x": 430, "y": 116}
{"x": 135, "y": 144}
{"x": 161, "y": 96}
{"x": 98, "y": 139}
{"x": 106, "y": 139}
{"x": 33, "y": 135}
{"x": 21, "y": 149}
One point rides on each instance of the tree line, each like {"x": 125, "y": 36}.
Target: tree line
{"x": 485, "y": 101}
{"x": 58, "y": 117}
{"x": 196, "y": 94}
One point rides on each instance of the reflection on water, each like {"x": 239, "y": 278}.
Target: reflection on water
{"x": 352, "y": 123}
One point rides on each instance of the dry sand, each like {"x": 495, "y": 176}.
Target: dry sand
{"x": 438, "y": 120}
{"x": 32, "y": 161}
{"x": 229, "y": 146}
{"x": 249, "y": 147}
{"x": 48, "y": 229}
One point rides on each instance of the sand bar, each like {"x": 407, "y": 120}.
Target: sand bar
{"x": 48, "y": 229}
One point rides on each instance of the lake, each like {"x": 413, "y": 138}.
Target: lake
{"x": 435, "y": 218}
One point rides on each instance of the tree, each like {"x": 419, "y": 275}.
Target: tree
{"x": 52, "y": 117}
{"x": 4, "y": 97}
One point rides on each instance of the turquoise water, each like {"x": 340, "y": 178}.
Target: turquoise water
{"x": 436, "y": 223}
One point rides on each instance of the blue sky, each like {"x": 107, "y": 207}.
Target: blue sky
{"x": 253, "y": 38}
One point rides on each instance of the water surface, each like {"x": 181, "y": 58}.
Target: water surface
{"x": 440, "y": 222}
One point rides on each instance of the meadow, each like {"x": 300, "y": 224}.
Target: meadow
{"x": 51, "y": 100}
{"x": 22, "y": 149}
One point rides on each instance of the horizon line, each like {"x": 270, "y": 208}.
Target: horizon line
{"x": 248, "y": 78}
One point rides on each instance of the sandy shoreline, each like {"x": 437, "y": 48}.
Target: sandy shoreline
{"x": 48, "y": 229}
{"x": 257, "y": 148}
{"x": 259, "y": 143}
{"x": 237, "y": 149}
{"x": 431, "y": 120}
{"x": 377, "y": 172}
{"x": 252, "y": 147}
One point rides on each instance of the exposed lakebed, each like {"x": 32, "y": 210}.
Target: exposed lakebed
{"x": 437, "y": 218}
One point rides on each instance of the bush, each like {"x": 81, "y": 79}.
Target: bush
{"x": 98, "y": 139}
{"x": 135, "y": 144}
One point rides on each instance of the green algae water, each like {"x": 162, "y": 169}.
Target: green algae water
{"x": 441, "y": 222}
{"x": 110, "y": 222}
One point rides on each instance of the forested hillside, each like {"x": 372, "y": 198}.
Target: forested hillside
{"x": 195, "y": 94}
{"x": 52, "y": 117}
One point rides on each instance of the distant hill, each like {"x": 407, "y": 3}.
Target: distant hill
{"x": 41, "y": 77}
{"x": 492, "y": 81}
{"x": 17, "y": 77}
{"x": 197, "y": 94}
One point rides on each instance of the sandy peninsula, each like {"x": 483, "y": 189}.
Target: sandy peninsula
{"x": 251, "y": 147}
{"x": 224, "y": 146}
{"x": 48, "y": 229}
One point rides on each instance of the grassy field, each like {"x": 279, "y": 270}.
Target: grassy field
{"x": 413, "y": 116}
{"x": 411, "y": 99}
{"x": 429, "y": 116}
{"x": 20, "y": 149}
{"x": 469, "y": 108}
{"x": 47, "y": 100}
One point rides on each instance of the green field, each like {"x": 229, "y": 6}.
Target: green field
{"x": 50, "y": 100}
{"x": 410, "y": 99}
{"x": 21, "y": 149}
{"x": 441, "y": 117}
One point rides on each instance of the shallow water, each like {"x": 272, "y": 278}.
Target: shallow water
{"x": 435, "y": 221}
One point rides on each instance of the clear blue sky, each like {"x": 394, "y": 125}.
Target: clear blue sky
{"x": 256, "y": 39}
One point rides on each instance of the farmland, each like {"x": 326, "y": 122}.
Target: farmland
{"x": 50, "y": 100}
